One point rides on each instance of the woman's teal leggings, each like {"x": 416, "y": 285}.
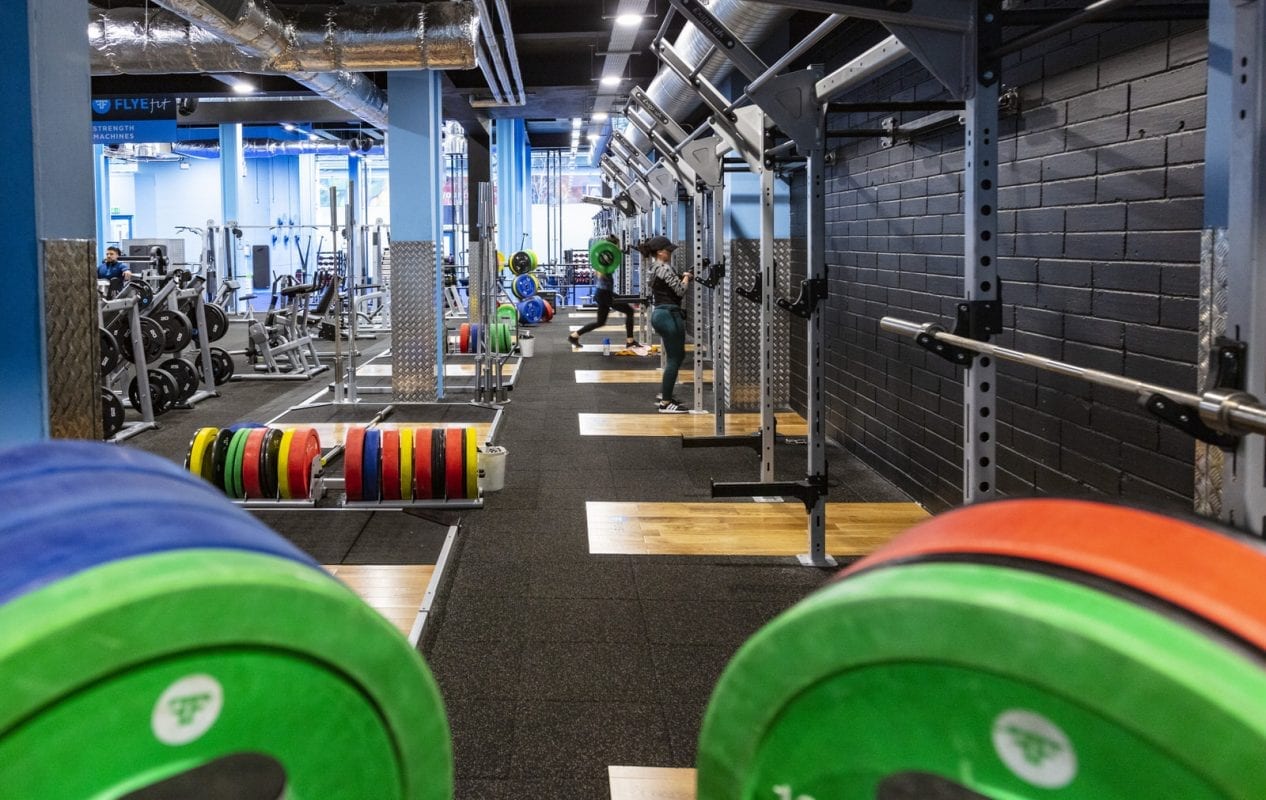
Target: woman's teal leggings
{"x": 670, "y": 323}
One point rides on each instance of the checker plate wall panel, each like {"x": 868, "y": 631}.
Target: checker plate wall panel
{"x": 70, "y": 323}
{"x": 476, "y": 256}
{"x": 414, "y": 345}
{"x": 742, "y": 329}
{"x": 1210, "y": 460}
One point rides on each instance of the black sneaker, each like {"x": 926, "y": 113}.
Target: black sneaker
{"x": 634, "y": 343}
{"x": 672, "y": 407}
{"x": 574, "y": 340}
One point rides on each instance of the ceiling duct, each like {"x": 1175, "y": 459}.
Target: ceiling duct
{"x": 321, "y": 47}
{"x": 751, "y": 22}
{"x": 269, "y": 148}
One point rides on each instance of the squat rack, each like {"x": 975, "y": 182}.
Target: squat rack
{"x": 1233, "y": 331}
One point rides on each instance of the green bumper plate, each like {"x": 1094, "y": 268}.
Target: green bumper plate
{"x": 126, "y": 674}
{"x": 605, "y": 257}
{"x": 1005, "y": 683}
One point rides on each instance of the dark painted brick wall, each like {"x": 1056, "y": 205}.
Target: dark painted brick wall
{"x": 1100, "y": 210}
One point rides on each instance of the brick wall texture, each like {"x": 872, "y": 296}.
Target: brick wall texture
{"x": 1100, "y": 204}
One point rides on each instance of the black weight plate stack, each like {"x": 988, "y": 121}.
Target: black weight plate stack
{"x": 153, "y": 339}
{"x": 177, "y": 332}
{"x": 110, "y": 355}
{"x": 163, "y": 391}
{"x": 269, "y": 460}
{"x": 186, "y": 376}
{"x": 438, "y": 464}
{"x": 111, "y": 413}
{"x": 220, "y": 455}
{"x": 217, "y": 322}
{"x": 221, "y": 366}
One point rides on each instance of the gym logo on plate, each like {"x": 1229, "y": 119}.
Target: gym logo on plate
{"x": 187, "y": 709}
{"x": 101, "y": 106}
{"x": 1034, "y": 749}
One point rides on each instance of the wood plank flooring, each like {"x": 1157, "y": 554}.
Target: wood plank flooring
{"x": 635, "y": 375}
{"x": 654, "y": 424}
{"x": 450, "y": 370}
{"x": 741, "y": 528}
{"x": 651, "y": 783}
{"x": 617, "y": 345}
{"x": 395, "y": 591}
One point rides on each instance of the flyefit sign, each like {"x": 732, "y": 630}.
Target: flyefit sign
{"x": 145, "y": 118}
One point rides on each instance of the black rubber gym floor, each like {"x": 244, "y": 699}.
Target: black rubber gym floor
{"x": 556, "y": 664}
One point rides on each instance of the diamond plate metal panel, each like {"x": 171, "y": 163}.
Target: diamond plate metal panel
{"x": 741, "y": 345}
{"x": 1210, "y": 460}
{"x": 478, "y": 255}
{"x": 415, "y": 298}
{"x": 70, "y": 314}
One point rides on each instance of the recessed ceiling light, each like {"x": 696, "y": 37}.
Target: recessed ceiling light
{"x": 629, "y": 20}
{"x": 599, "y": 116}
{"x": 610, "y": 80}
{"x": 244, "y": 87}
{"x": 287, "y": 126}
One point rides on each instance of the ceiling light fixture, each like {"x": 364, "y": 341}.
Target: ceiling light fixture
{"x": 599, "y": 116}
{"x": 312, "y": 137}
{"x": 629, "y": 20}
{"x": 244, "y": 87}
{"x": 287, "y": 126}
{"x": 610, "y": 80}
{"x": 576, "y": 122}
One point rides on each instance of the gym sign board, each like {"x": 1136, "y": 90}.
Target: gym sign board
{"x": 134, "y": 118}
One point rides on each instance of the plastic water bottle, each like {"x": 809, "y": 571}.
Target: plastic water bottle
{"x": 606, "y": 347}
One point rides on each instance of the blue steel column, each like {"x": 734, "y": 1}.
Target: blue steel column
{"x": 416, "y": 178}
{"x": 48, "y": 181}
{"x": 514, "y": 201}
{"x": 101, "y": 186}
{"x": 525, "y": 184}
{"x": 231, "y": 160}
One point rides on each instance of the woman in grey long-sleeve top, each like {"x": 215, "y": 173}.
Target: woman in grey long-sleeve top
{"x": 667, "y": 318}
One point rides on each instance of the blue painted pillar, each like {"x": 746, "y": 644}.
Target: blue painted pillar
{"x": 416, "y": 178}
{"x": 48, "y": 182}
{"x": 101, "y": 185}
{"x": 525, "y": 184}
{"x": 356, "y": 173}
{"x": 514, "y": 198}
{"x": 232, "y": 161}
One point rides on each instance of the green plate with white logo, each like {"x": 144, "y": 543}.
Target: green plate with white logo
{"x": 139, "y": 671}
{"x": 960, "y": 681}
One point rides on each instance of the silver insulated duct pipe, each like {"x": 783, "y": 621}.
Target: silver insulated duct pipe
{"x": 321, "y": 47}
{"x": 751, "y": 22}
{"x": 268, "y": 148}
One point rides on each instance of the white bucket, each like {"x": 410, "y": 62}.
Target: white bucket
{"x": 492, "y": 469}
{"x": 527, "y": 345}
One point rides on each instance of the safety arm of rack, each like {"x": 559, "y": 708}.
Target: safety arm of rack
{"x": 1223, "y": 410}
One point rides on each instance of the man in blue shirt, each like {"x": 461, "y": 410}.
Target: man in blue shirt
{"x": 112, "y": 268}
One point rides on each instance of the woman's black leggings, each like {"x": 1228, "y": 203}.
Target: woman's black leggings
{"x": 603, "y": 298}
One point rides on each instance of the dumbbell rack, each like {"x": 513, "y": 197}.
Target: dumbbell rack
{"x": 172, "y": 295}
{"x": 130, "y": 306}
